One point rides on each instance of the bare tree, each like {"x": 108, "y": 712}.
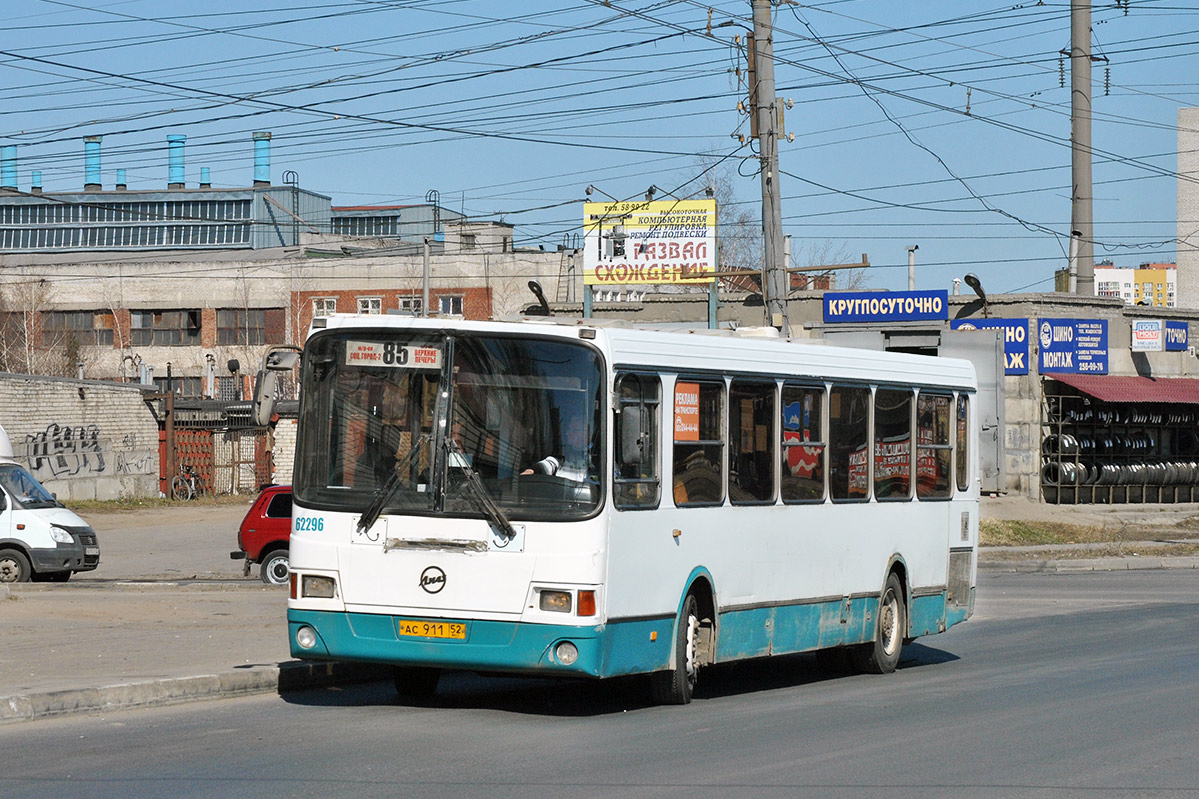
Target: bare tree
{"x": 827, "y": 252}
{"x": 738, "y": 224}
{"x": 26, "y": 344}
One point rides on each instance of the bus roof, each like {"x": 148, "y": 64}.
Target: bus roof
{"x": 750, "y": 351}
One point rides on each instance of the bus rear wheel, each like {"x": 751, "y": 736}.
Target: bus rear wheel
{"x": 676, "y": 685}
{"x": 416, "y": 682}
{"x": 881, "y": 655}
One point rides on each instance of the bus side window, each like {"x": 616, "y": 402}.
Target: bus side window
{"x": 803, "y": 444}
{"x": 933, "y": 447}
{"x": 963, "y": 448}
{"x": 698, "y": 453}
{"x": 892, "y": 444}
{"x": 751, "y": 442}
{"x": 849, "y": 464}
{"x": 638, "y": 475}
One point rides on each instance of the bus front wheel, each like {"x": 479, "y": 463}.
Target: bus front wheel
{"x": 676, "y": 685}
{"x": 881, "y": 655}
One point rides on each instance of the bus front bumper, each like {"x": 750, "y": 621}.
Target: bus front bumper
{"x": 487, "y": 645}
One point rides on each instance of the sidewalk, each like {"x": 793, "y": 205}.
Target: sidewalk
{"x": 116, "y": 640}
{"x": 95, "y": 647}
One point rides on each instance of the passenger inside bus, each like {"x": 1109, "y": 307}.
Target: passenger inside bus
{"x": 574, "y": 461}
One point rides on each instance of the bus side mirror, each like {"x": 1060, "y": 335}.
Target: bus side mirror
{"x": 282, "y": 358}
{"x": 631, "y": 437}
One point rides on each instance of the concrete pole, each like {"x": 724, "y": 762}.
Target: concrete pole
{"x": 912, "y": 266}
{"x": 1081, "y": 218}
{"x": 424, "y": 309}
{"x": 774, "y": 277}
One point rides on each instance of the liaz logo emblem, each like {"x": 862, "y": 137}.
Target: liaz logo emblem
{"x": 432, "y": 579}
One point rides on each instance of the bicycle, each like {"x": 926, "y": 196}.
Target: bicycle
{"x": 186, "y": 484}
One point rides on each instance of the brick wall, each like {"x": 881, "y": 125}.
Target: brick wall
{"x": 285, "y": 450}
{"x": 82, "y": 439}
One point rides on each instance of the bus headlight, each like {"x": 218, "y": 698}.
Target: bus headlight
{"x": 318, "y": 587}
{"x": 566, "y": 653}
{"x": 60, "y": 535}
{"x": 556, "y": 601}
{"x": 306, "y": 637}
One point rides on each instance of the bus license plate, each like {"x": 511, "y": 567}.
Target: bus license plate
{"x": 432, "y": 629}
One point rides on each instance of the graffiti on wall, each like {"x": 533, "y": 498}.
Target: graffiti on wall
{"x": 64, "y": 451}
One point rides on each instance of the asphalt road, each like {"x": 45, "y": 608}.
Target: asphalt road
{"x": 1080, "y": 685}
{"x": 183, "y": 541}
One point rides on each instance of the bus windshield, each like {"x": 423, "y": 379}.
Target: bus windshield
{"x": 417, "y": 421}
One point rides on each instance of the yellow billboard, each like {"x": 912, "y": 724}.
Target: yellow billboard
{"x": 664, "y": 241}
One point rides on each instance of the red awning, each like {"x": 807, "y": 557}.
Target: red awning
{"x": 1116, "y": 388}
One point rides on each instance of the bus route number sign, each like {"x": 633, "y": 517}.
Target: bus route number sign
{"x": 391, "y": 355}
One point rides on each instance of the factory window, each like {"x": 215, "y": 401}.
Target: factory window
{"x": 165, "y": 328}
{"x": 240, "y": 326}
{"x": 86, "y": 327}
{"x": 324, "y": 306}
{"x": 370, "y": 305}
{"x": 410, "y": 303}
{"x": 449, "y": 305}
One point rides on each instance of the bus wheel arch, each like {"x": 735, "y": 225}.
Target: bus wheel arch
{"x": 693, "y": 646}
{"x": 880, "y": 655}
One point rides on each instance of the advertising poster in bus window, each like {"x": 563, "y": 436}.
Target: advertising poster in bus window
{"x": 797, "y": 427}
{"x": 859, "y": 476}
{"x": 686, "y": 411}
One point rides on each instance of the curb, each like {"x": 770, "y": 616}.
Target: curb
{"x": 1067, "y": 566}
{"x": 283, "y": 678}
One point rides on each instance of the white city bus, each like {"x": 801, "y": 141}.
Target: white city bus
{"x": 591, "y": 500}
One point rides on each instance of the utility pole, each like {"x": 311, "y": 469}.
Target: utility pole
{"x": 774, "y": 275}
{"x": 1081, "y": 215}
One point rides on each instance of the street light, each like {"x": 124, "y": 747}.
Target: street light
{"x": 973, "y": 282}
{"x": 912, "y": 266}
{"x": 591, "y": 189}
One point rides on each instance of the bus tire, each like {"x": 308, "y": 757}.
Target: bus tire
{"x": 416, "y": 682}
{"x": 676, "y": 685}
{"x": 881, "y": 655}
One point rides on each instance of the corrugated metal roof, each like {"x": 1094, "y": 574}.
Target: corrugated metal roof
{"x": 1119, "y": 388}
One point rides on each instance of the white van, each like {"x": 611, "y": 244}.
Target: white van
{"x": 39, "y": 538}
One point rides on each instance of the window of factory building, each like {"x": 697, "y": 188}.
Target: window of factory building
{"x": 85, "y": 327}
{"x": 250, "y": 325}
{"x": 324, "y": 306}
{"x": 370, "y": 305}
{"x": 411, "y": 304}
{"x": 449, "y": 306}
{"x": 165, "y": 328}
{"x": 240, "y": 326}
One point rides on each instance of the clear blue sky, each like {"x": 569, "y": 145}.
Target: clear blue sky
{"x": 510, "y": 109}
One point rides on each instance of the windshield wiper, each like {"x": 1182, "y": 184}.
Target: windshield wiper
{"x": 474, "y": 483}
{"x": 388, "y": 490}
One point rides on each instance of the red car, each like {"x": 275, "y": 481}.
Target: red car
{"x": 264, "y": 535}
